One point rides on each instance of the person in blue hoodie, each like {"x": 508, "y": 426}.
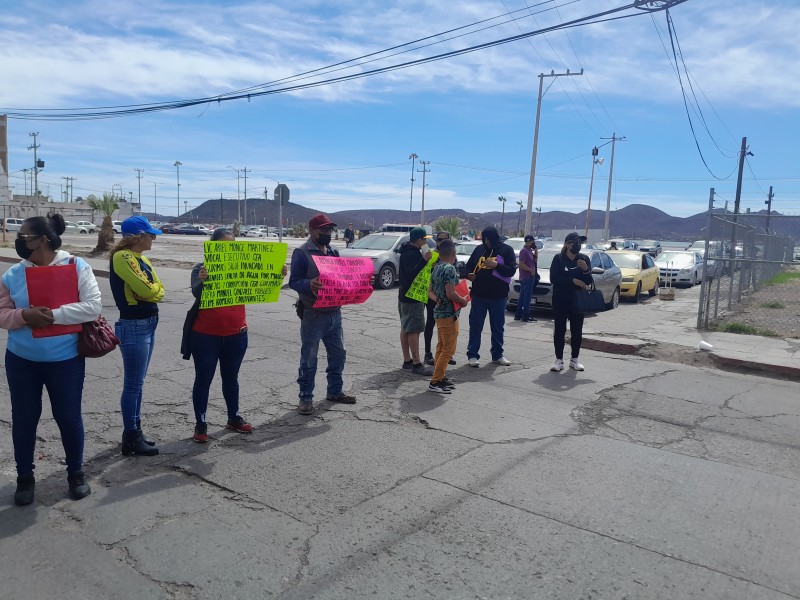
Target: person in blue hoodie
{"x": 490, "y": 269}
{"x": 53, "y": 363}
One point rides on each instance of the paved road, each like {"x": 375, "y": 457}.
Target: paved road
{"x": 638, "y": 478}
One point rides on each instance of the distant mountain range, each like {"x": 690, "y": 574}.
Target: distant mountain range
{"x": 636, "y": 221}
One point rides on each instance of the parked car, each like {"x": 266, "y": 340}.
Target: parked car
{"x": 383, "y": 249}
{"x": 72, "y": 227}
{"x": 191, "y": 230}
{"x": 168, "y": 227}
{"x": 263, "y": 232}
{"x": 639, "y": 273}
{"x": 13, "y": 224}
{"x": 680, "y": 268}
{"x": 117, "y": 225}
{"x": 518, "y": 242}
{"x": 90, "y": 227}
{"x": 607, "y": 278}
{"x": 652, "y": 247}
{"x": 621, "y": 244}
{"x": 463, "y": 251}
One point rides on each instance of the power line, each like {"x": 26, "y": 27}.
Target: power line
{"x": 89, "y": 114}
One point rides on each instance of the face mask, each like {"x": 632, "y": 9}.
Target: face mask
{"x": 575, "y": 248}
{"x": 324, "y": 239}
{"x": 21, "y": 246}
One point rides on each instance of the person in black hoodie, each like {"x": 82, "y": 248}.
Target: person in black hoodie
{"x": 490, "y": 269}
{"x": 569, "y": 271}
{"x": 412, "y": 312}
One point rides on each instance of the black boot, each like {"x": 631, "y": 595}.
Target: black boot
{"x": 24, "y": 494}
{"x": 132, "y": 443}
{"x": 145, "y": 439}
{"x": 78, "y": 488}
{"x": 429, "y": 358}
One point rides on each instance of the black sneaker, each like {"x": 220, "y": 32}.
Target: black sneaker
{"x": 451, "y": 361}
{"x": 200, "y": 433}
{"x": 420, "y": 369}
{"x": 438, "y": 388}
{"x": 342, "y": 399}
{"x": 429, "y": 360}
{"x": 78, "y": 488}
{"x": 408, "y": 364}
{"x": 25, "y": 488}
{"x": 447, "y": 383}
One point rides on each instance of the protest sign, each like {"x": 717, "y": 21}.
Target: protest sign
{"x": 419, "y": 287}
{"x": 242, "y": 273}
{"x": 344, "y": 280}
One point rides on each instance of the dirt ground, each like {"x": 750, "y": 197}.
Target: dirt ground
{"x": 774, "y": 308}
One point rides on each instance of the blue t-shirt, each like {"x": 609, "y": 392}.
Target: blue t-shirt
{"x": 442, "y": 274}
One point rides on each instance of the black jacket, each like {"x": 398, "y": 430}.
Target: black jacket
{"x": 485, "y": 284}
{"x": 411, "y": 263}
{"x": 562, "y": 272}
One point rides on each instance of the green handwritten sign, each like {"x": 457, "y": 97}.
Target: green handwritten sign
{"x": 419, "y": 287}
{"x": 242, "y": 273}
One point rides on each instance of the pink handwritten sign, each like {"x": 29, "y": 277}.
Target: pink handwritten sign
{"x": 344, "y": 280}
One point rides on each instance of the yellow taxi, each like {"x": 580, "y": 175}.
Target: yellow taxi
{"x": 639, "y": 273}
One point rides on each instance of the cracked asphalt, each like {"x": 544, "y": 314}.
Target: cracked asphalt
{"x": 638, "y": 478}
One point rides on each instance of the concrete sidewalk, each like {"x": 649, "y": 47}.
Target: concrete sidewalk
{"x": 638, "y": 478}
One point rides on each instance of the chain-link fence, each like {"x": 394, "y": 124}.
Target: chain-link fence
{"x": 750, "y": 282}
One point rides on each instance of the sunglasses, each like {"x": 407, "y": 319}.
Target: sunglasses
{"x": 28, "y": 236}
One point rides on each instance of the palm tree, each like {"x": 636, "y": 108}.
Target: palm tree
{"x": 106, "y": 206}
{"x": 503, "y": 216}
{"x": 451, "y": 225}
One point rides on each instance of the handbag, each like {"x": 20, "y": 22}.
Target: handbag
{"x": 96, "y": 339}
{"x": 188, "y": 323}
{"x": 589, "y": 300}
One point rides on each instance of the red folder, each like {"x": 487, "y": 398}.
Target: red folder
{"x": 462, "y": 289}
{"x": 53, "y": 287}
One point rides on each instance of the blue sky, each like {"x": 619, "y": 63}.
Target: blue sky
{"x": 346, "y": 145}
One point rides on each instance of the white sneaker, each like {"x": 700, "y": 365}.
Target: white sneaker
{"x": 502, "y": 361}
{"x": 473, "y": 362}
{"x": 557, "y": 366}
{"x": 574, "y": 364}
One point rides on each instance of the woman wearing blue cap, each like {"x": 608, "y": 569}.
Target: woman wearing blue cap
{"x": 137, "y": 290}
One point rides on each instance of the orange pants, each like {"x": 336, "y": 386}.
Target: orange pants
{"x": 445, "y": 347}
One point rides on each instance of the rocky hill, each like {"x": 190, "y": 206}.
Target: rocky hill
{"x": 635, "y": 221}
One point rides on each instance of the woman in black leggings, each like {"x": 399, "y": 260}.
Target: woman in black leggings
{"x": 569, "y": 271}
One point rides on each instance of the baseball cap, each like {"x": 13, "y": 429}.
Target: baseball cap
{"x": 529, "y": 238}
{"x": 136, "y": 226}
{"x": 575, "y": 237}
{"x": 417, "y": 234}
{"x": 320, "y": 220}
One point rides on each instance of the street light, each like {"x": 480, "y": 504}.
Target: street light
{"x": 519, "y": 214}
{"x": 413, "y": 158}
{"x": 155, "y": 198}
{"x": 595, "y": 161}
{"x": 238, "y": 197}
{"x": 538, "y": 219}
{"x": 177, "y": 166}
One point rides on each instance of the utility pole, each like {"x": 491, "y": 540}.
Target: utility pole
{"x": 68, "y": 194}
{"x": 245, "y": 170}
{"x": 177, "y": 166}
{"x": 139, "y": 177}
{"x": 413, "y": 156}
{"x": 519, "y": 214}
{"x": 424, "y": 170}
{"x": 614, "y": 140}
{"x": 35, "y": 190}
{"x": 155, "y": 198}
{"x": 743, "y": 154}
{"x": 266, "y": 208}
{"x": 503, "y": 214}
{"x": 768, "y": 202}
{"x": 595, "y": 161}
{"x": 25, "y": 178}
{"x": 536, "y": 142}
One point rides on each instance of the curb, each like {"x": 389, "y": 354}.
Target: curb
{"x": 742, "y": 363}
{"x": 617, "y": 346}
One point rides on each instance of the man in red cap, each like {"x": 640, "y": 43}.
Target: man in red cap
{"x": 317, "y": 324}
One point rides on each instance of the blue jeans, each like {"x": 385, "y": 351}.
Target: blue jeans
{"x": 137, "y": 338}
{"x": 64, "y": 382}
{"x": 207, "y": 350}
{"x": 496, "y": 307}
{"x": 325, "y": 326}
{"x": 524, "y": 302}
